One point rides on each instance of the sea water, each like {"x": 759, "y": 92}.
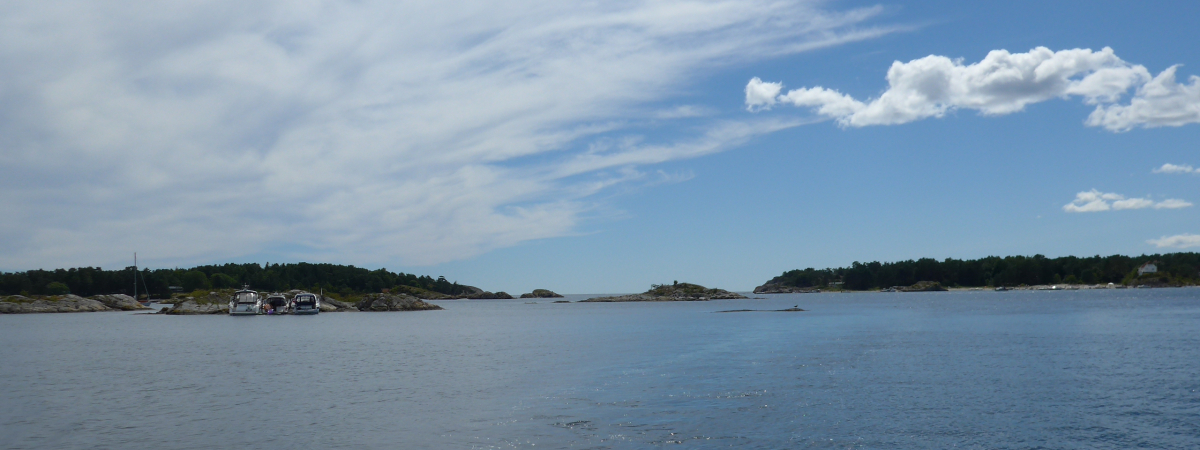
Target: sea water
{"x": 990, "y": 370}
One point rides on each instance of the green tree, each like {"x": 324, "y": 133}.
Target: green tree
{"x": 57, "y": 288}
{"x": 194, "y": 280}
{"x": 222, "y": 281}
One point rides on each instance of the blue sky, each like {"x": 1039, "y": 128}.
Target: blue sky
{"x": 587, "y": 148}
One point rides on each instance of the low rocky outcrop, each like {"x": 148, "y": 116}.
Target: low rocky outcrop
{"x": 120, "y": 302}
{"x": 541, "y": 293}
{"x": 468, "y": 292}
{"x": 780, "y": 288}
{"x": 393, "y": 302}
{"x": 922, "y": 286}
{"x": 677, "y": 292}
{"x": 485, "y": 295}
{"x": 192, "y": 307}
{"x": 332, "y": 305}
{"x": 18, "y": 304}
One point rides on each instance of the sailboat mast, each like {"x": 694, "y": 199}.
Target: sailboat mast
{"x": 135, "y": 276}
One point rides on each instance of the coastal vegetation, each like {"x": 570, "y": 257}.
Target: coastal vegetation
{"x": 1173, "y": 269}
{"x": 332, "y": 278}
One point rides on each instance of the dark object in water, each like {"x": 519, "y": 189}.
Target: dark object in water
{"x": 792, "y": 309}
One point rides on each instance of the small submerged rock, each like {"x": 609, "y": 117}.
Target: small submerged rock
{"x": 792, "y": 309}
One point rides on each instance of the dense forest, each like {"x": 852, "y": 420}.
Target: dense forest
{"x": 332, "y": 278}
{"x": 1173, "y": 269}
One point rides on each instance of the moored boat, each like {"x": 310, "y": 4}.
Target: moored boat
{"x": 306, "y": 303}
{"x": 245, "y": 302}
{"x": 276, "y": 303}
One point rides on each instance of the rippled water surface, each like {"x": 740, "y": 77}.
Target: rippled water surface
{"x": 1075, "y": 369}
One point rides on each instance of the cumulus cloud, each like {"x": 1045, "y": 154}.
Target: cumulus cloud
{"x": 761, "y": 95}
{"x": 1005, "y": 83}
{"x": 1177, "y": 241}
{"x": 1091, "y": 201}
{"x": 1172, "y": 168}
{"x": 412, "y": 132}
{"x": 1162, "y": 102}
{"x": 1096, "y": 201}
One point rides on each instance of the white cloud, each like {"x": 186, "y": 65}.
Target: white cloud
{"x": 1177, "y": 241}
{"x": 1132, "y": 203}
{"x": 1172, "y": 203}
{"x": 1172, "y": 168}
{"x": 1096, "y": 201}
{"x": 1162, "y": 102}
{"x": 760, "y": 95}
{"x": 1091, "y": 201}
{"x": 1004, "y": 83}
{"x": 365, "y": 132}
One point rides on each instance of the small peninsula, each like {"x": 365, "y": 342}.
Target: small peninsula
{"x": 677, "y": 292}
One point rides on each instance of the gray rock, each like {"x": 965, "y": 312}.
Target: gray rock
{"x": 331, "y": 305}
{"x": 393, "y": 302}
{"x": 541, "y": 293}
{"x": 190, "y": 307}
{"x": 17, "y": 304}
{"x": 119, "y": 301}
{"x": 779, "y": 288}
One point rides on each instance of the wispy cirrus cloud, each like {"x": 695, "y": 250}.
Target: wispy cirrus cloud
{"x": 1096, "y": 201}
{"x": 415, "y": 132}
{"x": 1180, "y": 241}
{"x": 1004, "y": 83}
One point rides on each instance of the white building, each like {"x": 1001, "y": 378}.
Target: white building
{"x": 1147, "y": 268}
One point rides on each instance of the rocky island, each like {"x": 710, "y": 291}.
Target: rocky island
{"x": 677, "y": 292}
{"x": 541, "y": 293}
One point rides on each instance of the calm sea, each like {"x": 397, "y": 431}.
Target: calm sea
{"x": 990, "y": 370}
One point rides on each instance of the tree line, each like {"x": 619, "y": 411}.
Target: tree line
{"x": 333, "y": 278}
{"x": 994, "y": 271}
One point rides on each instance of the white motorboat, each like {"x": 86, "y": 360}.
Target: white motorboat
{"x": 276, "y": 303}
{"x": 245, "y": 303}
{"x": 306, "y": 303}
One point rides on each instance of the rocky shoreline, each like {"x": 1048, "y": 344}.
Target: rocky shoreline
{"x": 685, "y": 292}
{"x": 18, "y": 304}
{"x": 215, "y": 303}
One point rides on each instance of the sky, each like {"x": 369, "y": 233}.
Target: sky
{"x": 595, "y": 147}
